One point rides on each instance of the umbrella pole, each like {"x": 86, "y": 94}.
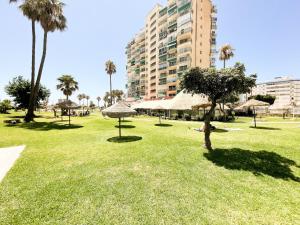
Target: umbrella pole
{"x": 254, "y": 115}
{"x": 119, "y": 127}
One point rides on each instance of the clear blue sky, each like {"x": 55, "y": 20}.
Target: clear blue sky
{"x": 264, "y": 33}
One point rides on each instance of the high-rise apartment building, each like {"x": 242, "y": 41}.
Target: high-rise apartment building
{"x": 285, "y": 89}
{"x": 175, "y": 38}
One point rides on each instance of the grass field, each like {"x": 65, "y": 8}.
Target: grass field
{"x": 162, "y": 175}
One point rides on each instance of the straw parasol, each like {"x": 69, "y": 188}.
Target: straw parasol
{"x": 254, "y": 103}
{"x": 67, "y": 105}
{"x": 159, "y": 108}
{"x": 185, "y": 101}
{"x": 119, "y": 110}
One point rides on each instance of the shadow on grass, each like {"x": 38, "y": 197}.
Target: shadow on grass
{"x": 265, "y": 128}
{"x": 126, "y": 121}
{"x": 43, "y": 126}
{"x": 163, "y": 125}
{"x": 259, "y": 163}
{"x": 124, "y": 139}
{"x": 218, "y": 130}
{"x": 125, "y": 126}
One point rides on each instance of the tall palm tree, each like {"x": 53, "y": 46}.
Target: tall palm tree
{"x": 29, "y": 9}
{"x": 50, "y": 13}
{"x": 98, "y": 99}
{"x": 110, "y": 69}
{"x": 226, "y": 53}
{"x": 67, "y": 85}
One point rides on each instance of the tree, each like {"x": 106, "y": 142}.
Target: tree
{"x": 19, "y": 89}
{"x": 67, "y": 85}
{"x": 110, "y": 69}
{"x": 5, "y": 105}
{"x": 80, "y": 97}
{"x": 29, "y": 11}
{"x": 92, "y": 105}
{"x": 98, "y": 100}
{"x": 216, "y": 85}
{"x": 106, "y": 98}
{"x": 226, "y": 53}
{"x": 264, "y": 98}
{"x": 117, "y": 95}
{"x": 87, "y": 100}
{"x": 51, "y": 18}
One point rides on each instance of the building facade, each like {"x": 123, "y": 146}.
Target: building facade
{"x": 175, "y": 38}
{"x": 285, "y": 89}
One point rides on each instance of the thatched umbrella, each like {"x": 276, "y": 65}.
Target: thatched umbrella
{"x": 159, "y": 108}
{"x": 185, "y": 101}
{"x": 254, "y": 103}
{"x": 67, "y": 105}
{"x": 119, "y": 110}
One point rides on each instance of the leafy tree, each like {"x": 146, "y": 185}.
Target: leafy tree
{"x": 51, "y": 18}
{"x": 5, "y": 105}
{"x": 67, "y": 85}
{"x": 110, "y": 69}
{"x": 19, "y": 89}
{"x": 264, "y": 98}
{"x": 216, "y": 85}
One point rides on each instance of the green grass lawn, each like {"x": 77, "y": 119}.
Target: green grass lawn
{"x": 157, "y": 175}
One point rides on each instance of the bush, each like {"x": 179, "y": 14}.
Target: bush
{"x": 5, "y": 105}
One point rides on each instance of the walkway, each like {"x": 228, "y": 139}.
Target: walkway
{"x": 8, "y": 156}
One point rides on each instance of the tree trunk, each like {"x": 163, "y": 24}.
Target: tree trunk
{"x": 110, "y": 89}
{"x": 207, "y": 127}
{"x": 33, "y": 58}
{"x": 224, "y": 63}
{"x": 30, "y": 113}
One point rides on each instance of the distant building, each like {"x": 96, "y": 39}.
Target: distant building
{"x": 175, "y": 38}
{"x": 287, "y": 93}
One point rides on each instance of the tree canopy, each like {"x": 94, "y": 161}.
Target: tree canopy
{"x": 217, "y": 85}
{"x": 19, "y": 88}
{"x": 265, "y": 98}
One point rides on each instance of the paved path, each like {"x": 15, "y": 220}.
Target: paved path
{"x": 8, "y": 156}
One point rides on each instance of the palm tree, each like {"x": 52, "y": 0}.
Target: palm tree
{"x": 98, "y": 99}
{"x": 110, "y": 69}
{"x": 50, "y": 14}
{"x": 226, "y": 53}
{"x": 80, "y": 97}
{"x": 87, "y": 100}
{"x": 106, "y": 98}
{"x": 67, "y": 85}
{"x": 29, "y": 11}
{"x": 119, "y": 94}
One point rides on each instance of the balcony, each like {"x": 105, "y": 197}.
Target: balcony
{"x": 172, "y": 9}
{"x": 163, "y": 12}
{"x": 185, "y": 7}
